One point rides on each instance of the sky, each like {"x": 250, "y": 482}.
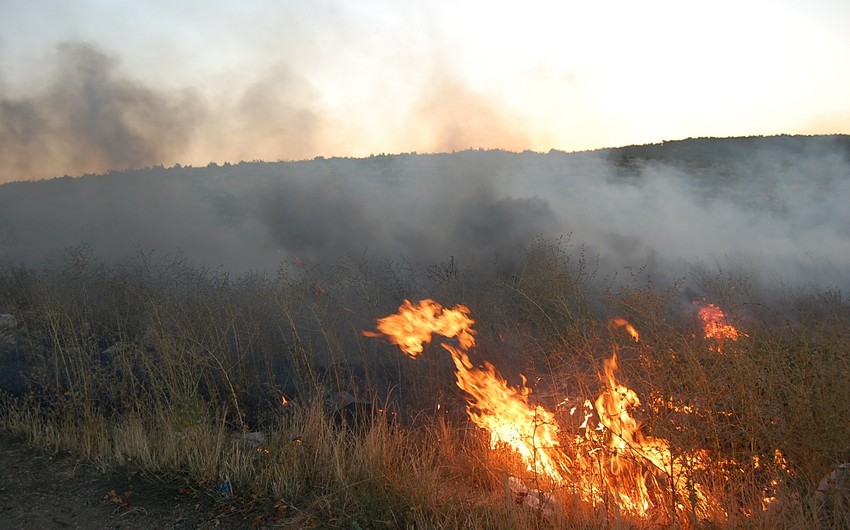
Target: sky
{"x": 93, "y": 85}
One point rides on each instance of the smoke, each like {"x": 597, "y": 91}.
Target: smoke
{"x": 86, "y": 115}
{"x": 278, "y": 115}
{"x": 450, "y": 116}
{"x": 384, "y": 208}
{"x": 767, "y": 208}
{"x": 773, "y": 209}
{"x": 771, "y": 205}
{"x": 89, "y": 119}
{"x": 316, "y": 221}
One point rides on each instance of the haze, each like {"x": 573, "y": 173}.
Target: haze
{"x": 767, "y": 210}
{"x": 90, "y": 86}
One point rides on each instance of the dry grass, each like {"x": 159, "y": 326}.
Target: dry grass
{"x": 165, "y": 366}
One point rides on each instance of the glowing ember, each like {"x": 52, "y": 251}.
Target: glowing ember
{"x": 714, "y": 323}
{"x": 770, "y": 492}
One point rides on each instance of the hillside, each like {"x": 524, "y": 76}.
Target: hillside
{"x": 657, "y": 206}
{"x": 482, "y": 339}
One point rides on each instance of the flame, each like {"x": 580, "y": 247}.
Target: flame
{"x": 411, "y": 328}
{"x": 505, "y": 412}
{"x": 629, "y": 462}
{"x": 283, "y": 401}
{"x": 632, "y": 457}
{"x": 620, "y": 322}
{"x": 624, "y": 438}
{"x": 714, "y": 324}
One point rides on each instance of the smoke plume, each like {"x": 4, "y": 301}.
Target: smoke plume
{"x": 770, "y": 207}
{"x": 89, "y": 119}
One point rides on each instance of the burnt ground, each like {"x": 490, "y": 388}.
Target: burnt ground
{"x": 48, "y": 490}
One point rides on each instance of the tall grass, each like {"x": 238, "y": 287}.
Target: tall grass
{"x": 167, "y": 365}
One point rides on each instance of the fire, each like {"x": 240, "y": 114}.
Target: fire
{"x": 632, "y": 458}
{"x": 714, "y": 324}
{"x": 610, "y": 458}
{"x": 770, "y": 493}
{"x": 624, "y": 438}
{"x": 622, "y": 322}
{"x": 505, "y": 412}
{"x": 411, "y": 328}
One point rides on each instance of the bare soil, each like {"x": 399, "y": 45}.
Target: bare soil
{"x": 49, "y": 490}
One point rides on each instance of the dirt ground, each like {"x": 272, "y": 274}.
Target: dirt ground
{"x": 44, "y": 490}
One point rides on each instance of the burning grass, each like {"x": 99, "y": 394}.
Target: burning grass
{"x": 545, "y": 399}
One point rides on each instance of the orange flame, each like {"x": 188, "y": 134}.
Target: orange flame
{"x": 714, "y": 324}
{"x": 616, "y": 447}
{"x": 411, "y": 328}
{"x": 504, "y": 411}
{"x": 620, "y": 322}
{"x": 633, "y": 457}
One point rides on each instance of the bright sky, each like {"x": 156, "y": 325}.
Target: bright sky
{"x": 276, "y": 80}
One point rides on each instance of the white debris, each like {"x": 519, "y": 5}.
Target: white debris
{"x": 534, "y": 499}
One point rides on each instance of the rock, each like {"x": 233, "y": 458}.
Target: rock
{"x": 348, "y": 411}
{"x": 831, "y": 500}
{"x": 8, "y": 324}
{"x": 533, "y": 499}
{"x": 250, "y": 441}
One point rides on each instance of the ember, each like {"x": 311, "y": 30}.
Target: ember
{"x": 715, "y": 326}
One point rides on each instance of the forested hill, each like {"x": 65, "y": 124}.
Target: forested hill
{"x": 708, "y": 152}
{"x": 776, "y": 202}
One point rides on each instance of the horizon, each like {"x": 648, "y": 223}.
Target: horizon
{"x": 93, "y": 87}
{"x": 226, "y": 163}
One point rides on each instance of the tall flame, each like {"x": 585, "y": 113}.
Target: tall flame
{"x": 615, "y": 446}
{"x": 632, "y": 456}
{"x": 505, "y": 412}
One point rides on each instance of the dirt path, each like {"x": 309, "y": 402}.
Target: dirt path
{"x": 42, "y": 490}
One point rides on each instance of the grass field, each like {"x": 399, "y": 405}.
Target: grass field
{"x": 168, "y": 366}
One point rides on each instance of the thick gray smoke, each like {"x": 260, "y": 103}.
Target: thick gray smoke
{"x": 88, "y": 118}
{"x": 85, "y": 114}
{"x": 772, "y": 206}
